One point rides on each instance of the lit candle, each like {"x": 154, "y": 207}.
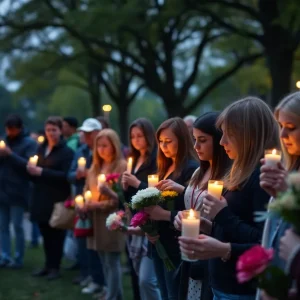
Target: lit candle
{"x": 215, "y": 188}
{"x": 88, "y": 196}
{"x": 79, "y": 201}
{"x": 41, "y": 139}
{"x": 101, "y": 179}
{"x": 81, "y": 163}
{"x": 129, "y": 165}
{"x": 272, "y": 157}
{"x": 190, "y": 227}
{"x": 2, "y": 144}
{"x": 152, "y": 180}
{"x": 33, "y": 161}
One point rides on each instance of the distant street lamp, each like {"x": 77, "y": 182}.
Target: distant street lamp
{"x": 298, "y": 84}
{"x": 106, "y": 109}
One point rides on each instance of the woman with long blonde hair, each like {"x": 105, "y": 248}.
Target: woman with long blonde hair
{"x": 249, "y": 128}
{"x": 107, "y": 159}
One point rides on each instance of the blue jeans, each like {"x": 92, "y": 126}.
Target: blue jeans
{"x": 147, "y": 280}
{"x": 15, "y": 215}
{"x": 95, "y": 267}
{"x": 222, "y": 296}
{"x": 112, "y": 268}
{"x": 169, "y": 281}
{"x": 35, "y": 234}
{"x": 83, "y": 259}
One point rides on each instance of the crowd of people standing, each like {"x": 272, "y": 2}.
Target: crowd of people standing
{"x": 185, "y": 154}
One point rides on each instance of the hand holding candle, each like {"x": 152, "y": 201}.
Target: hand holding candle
{"x": 81, "y": 163}
{"x": 272, "y": 157}
{"x": 129, "y": 165}
{"x": 215, "y": 188}
{"x": 79, "y": 201}
{"x": 33, "y": 161}
{"x": 190, "y": 227}
{"x": 152, "y": 180}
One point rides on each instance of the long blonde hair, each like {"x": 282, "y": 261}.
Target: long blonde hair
{"x": 251, "y": 123}
{"x": 291, "y": 104}
{"x": 113, "y": 137}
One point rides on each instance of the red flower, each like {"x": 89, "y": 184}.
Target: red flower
{"x": 253, "y": 262}
{"x": 69, "y": 204}
{"x": 139, "y": 219}
{"x": 114, "y": 177}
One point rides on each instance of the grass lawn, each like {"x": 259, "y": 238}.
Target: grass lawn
{"x": 19, "y": 285}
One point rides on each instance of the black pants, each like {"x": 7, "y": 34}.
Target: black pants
{"x": 53, "y": 243}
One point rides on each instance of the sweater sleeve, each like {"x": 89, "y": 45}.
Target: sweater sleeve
{"x": 237, "y": 230}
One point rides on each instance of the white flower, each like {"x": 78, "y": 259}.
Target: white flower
{"x": 111, "y": 219}
{"x": 286, "y": 202}
{"x": 142, "y": 194}
{"x": 294, "y": 179}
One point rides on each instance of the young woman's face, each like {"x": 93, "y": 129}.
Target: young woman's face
{"x": 168, "y": 143}
{"x": 290, "y": 131}
{"x": 138, "y": 139}
{"x": 229, "y": 144}
{"x": 53, "y": 133}
{"x": 203, "y": 145}
{"x": 105, "y": 149}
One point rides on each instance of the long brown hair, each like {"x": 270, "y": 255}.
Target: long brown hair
{"x": 149, "y": 133}
{"x": 254, "y": 129}
{"x": 220, "y": 161}
{"x": 291, "y": 104}
{"x": 114, "y": 139}
{"x": 185, "y": 150}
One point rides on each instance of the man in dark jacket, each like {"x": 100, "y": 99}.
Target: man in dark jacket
{"x": 15, "y": 151}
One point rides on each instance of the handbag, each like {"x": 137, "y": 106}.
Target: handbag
{"x": 62, "y": 217}
{"x": 83, "y": 227}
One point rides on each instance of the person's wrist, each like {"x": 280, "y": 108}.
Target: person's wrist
{"x": 226, "y": 252}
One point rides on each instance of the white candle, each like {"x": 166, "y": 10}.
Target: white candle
{"x": 152, "y": 180}
{"x": 129, "y": 165}
{"x": 33, "y": 161}
{"x": 81, "y": 163}
{"x": 101, "y": 179}
{"x": 2, "y": 144}
{"x": 79, "y": 201}
{"x": 215, "y": 188}
{"x": 88, "y": 196}
{"x": 190, "y": 227}
{"x": 41, "y": 139}
{"x": 272, "y": 157}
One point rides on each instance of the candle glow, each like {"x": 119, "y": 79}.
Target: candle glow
{"x": 272, "y": 157}
{"x": 129, "y": 165}
{"x": 152, "y": 180}
{"x": 215, "y": 188}
{"x": 33, "y": 160}
{"x": 79, "y": 201}
{"x": 2, "y": 144}
{"x": 88, "y": 196}
{"x": 81, "y": 163}
{"x": 41, "y": 139}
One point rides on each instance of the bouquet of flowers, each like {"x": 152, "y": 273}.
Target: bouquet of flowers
{"x": 117, "y": 221}
{"x": 148, "y": 197}
{"x": 287, "y": 204}
{"x": 70, "y": 203}
{"x": 254, "y": 263}
{"x": 113, "y": 180}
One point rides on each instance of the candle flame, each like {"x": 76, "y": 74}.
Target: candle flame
{"x": 88, "y": 194}
{"x": 192, "y": 214}
{"x": 130, "y": 160}
{"x": 41, "y": 139}
{"x": 79, "y": 199}
{"x": 274, "y": 151}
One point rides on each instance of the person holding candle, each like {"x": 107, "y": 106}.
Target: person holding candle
{"x": 214, "y": 163}
{"x": 273, "y": 178}
{"x": 15, "y": 151}
{"x": 176, "y": 161}
{"x": 50, "y": 186}
{"x": 107, "y": 159}
{"x": 143, "y": 154}
{"x": 91, "y": 275}
{"x": 234, "y": 229}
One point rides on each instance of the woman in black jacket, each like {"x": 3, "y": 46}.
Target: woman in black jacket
{"x": 143, "y": 153}
{"x": 50, "y": 186}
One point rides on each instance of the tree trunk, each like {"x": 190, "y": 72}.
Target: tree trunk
{"x": 95, "y": 103}
{"x": 281, "y": 67}
{"x": 123, "y": 121}
{"x": 174, "y": 107}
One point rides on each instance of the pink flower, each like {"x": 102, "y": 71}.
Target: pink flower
{"x": 69, "y": 204}
{"x": 139, "y": 219}
{"x": 114, "y": 177}
{"x": 253, "y": 262}
{"x": 121, "y": 213}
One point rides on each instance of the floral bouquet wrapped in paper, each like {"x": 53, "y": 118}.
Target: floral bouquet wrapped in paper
{"x": 287, "y": 204}
{"x": 254, "y": 263}
{"x": 148, "y": 197}
{"x": 117, "y": 221}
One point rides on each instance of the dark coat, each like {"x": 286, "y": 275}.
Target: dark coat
{"x": 14, "y": 180}
{"x": 52, "y": 186}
